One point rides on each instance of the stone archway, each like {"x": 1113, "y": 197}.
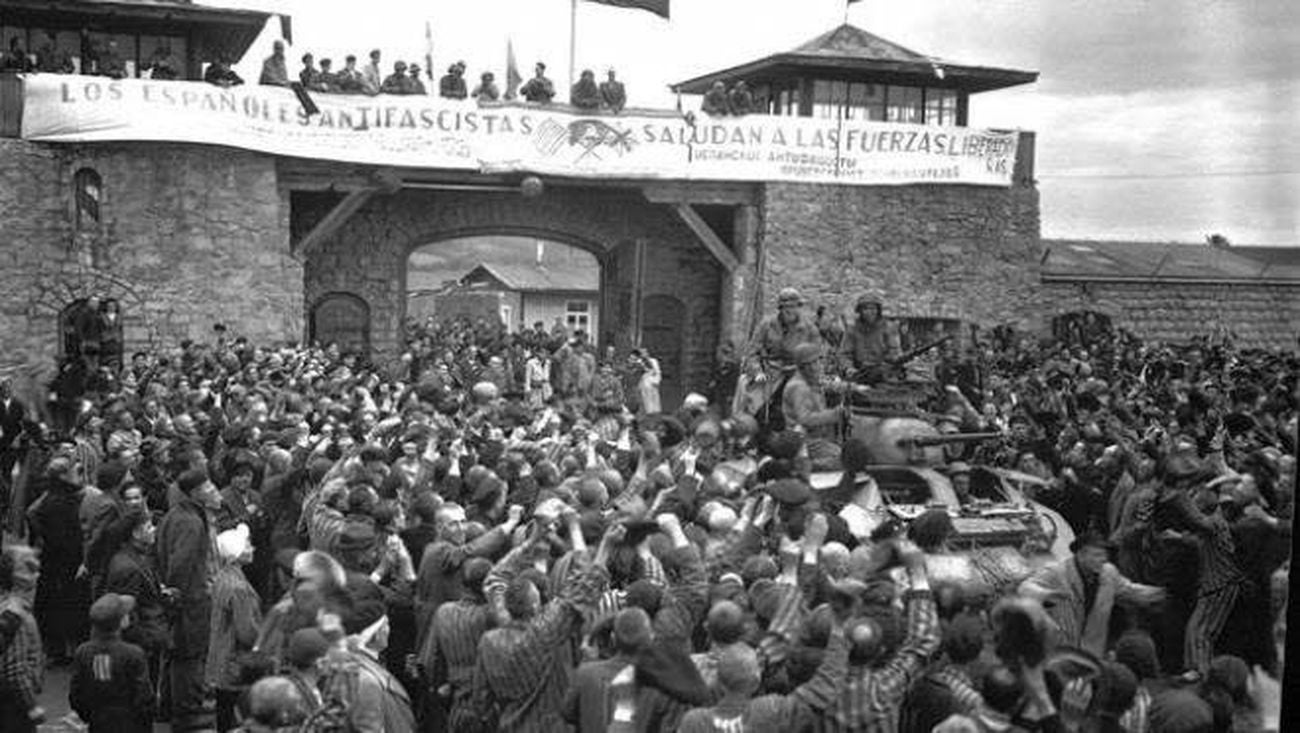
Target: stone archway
{"x": 368, "y": 255}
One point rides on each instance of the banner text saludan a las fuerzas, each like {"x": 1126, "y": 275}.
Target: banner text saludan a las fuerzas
{"x": 429, "y": 132}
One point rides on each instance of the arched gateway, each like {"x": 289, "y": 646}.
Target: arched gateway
{"x": 646, "y": 252}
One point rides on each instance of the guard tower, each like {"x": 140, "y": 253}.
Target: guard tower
{"x": 850, "y": 74}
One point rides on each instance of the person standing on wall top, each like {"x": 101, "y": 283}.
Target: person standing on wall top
{"x": 487, "y": 90}
{"x": 612, "y": 93}
{"x": 16, "y": 60}
{"x": 539, "y": 89}
{"x": 309, "y": 75}
{"x": 414, "y": 85}
{"x": 452, "y": 84}
{"x": 739, "y": 100}
{"x": 274, "y": 71}
{"x": 715, "y": 100}
{"x": 349, "y": 79}
{"x": 585, "y": 94}
{"x": 396, "y": 82}
{"x": 50, "y": 59}
{"x": 371, "y": 76}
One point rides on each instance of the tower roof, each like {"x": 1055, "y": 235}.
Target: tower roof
{"x": 849, "y": 52}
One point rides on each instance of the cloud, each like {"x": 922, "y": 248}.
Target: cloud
{"x": 1142, "y": 108}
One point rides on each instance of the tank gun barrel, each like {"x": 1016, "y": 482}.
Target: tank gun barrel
{"x": 927, "y": 441}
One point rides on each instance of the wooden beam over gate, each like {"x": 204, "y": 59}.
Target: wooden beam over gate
{"x": 689, "y": 192}
{"x": 707, "y": 237}
{"x": 334, "y": 220}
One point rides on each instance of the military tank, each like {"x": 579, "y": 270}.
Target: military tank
{"x": 902, "y": 464}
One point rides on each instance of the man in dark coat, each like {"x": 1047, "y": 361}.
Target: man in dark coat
{"x": 132, "y": 572}
{"x": 184, "y": 542}
{"x": 56, "y": 532}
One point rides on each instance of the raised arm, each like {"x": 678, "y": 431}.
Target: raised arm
{"x": 689, "y": 592}
{"x": 922, "y": 639}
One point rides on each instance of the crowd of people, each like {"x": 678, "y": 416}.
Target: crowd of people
{"x": 103, "y": 58}
{"x": 507, "y": 531}
{"x": 609, "y": 95}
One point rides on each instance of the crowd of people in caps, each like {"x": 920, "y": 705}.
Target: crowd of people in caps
{"x": 494, "y": 532}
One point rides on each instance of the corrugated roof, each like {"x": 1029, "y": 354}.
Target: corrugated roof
{"x": 852, "y": 51}
{"x": 1279, "y": 261}
{"x": 1066, "y": 259}
{"x": 531, "y": 278}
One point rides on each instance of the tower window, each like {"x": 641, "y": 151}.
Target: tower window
{"x": 88, "y": 190}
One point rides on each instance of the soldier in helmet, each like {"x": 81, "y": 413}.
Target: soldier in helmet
{"x": 868, "y": 346}
{"x": 803, "y": 405}
{"x": 771, "y": 352}
{"x": 777, "y": 337}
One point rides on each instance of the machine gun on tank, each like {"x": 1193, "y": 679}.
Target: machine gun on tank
{"x": 903, "y": 360}
{"x": 891, "y": 368}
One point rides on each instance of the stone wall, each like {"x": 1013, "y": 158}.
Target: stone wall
{"x": 188, "y": 236}
{"x": 964, "y": 252}
{"x": 1259, "y": 316}
{"x": 368, "y": 256}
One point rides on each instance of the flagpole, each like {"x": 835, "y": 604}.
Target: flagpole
{"x": 573, "y": 38}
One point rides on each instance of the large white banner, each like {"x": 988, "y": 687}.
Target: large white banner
{"x": 428, "y": 132}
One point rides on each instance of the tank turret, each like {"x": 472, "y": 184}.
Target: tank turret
{"x": 906, "y": 440}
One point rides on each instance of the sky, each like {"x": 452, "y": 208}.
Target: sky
{"x": 1157, "y": 120}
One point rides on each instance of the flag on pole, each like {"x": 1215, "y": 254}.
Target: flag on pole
{"x": 658, "y": 7}
{"x": 428, "y": 50}
{"x": 513, "y": 79}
